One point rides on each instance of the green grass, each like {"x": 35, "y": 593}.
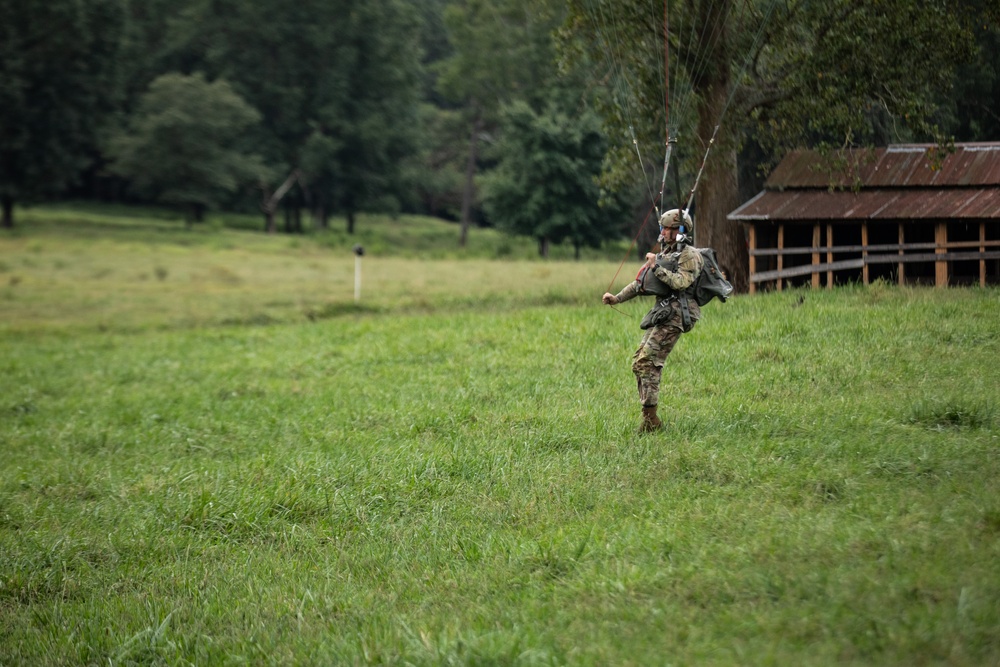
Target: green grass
{"x": 448, "y": 472}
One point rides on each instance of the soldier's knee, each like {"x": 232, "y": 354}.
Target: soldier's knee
{"x": 644, "y": 367}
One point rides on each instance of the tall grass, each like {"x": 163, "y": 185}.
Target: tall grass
{"x": 450, "y": 474}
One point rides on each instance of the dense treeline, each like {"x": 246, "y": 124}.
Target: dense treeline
{"x": 504, "y": 112}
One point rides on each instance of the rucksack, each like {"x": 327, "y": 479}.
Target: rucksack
{"x": 711, "y": 282}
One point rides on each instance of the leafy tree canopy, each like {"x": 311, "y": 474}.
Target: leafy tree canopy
{"x": 181, "y": 144}
{"x": 545, "y": 184}
{"x": 337, "y": 83}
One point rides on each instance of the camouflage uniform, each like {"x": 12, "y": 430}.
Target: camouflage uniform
{"x": 659, "y": 339}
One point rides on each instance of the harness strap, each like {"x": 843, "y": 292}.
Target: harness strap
{"x": 682, "y": 298}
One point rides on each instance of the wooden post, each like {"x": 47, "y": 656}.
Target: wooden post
{"x": 358, "y": 252}
{"x": 829, "y": 254}
{"x": 982, "y": 249}
{"x": 817, "y": 235}
{"x": 753, "y": 258}
{"x": 781, "y": 258}
{"x": 901, "y": 267}
{"x": 941, "y": 247}
{"x": 864, "y": 252}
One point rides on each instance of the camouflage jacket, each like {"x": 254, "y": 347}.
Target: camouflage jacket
{"x": 688, "y": 263}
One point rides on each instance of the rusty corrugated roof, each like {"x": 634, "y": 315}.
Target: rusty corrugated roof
{"x": 881, "y": 204}
{"x": 911, "y": 165}
{"x": 901, "y": 182}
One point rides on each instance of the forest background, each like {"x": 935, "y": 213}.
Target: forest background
{"x": 526, "y": 116}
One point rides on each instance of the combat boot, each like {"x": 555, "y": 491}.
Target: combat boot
{"x": 650, "y": 422}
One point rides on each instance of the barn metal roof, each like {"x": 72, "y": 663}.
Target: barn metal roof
{"x": 882, "y": 204}
{"x": 901, "y": 182}
{"x": 911, "y": 165}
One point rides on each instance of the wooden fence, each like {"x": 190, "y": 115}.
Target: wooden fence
{"x": 941, "y": 252}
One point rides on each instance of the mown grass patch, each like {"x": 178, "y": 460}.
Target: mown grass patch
{"x": 424, "y": 478}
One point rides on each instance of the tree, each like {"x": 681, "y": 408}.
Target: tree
{"x": 58, "y": 65}
{"x": 336, "y": 82}
{"x": 180, "y": 146}
{"x": 970, "y": 110}
{"x": 502, "y": 52}
{"x": 432, "y": 177}
{"x": 545, "y": 184}
{"x": 836, "y": 73}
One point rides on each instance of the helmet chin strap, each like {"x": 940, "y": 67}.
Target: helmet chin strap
{"x": 679, "y": 240}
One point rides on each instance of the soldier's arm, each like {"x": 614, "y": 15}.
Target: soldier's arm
{"x": 630, "y": 291}
{"x": 684, "y": 275}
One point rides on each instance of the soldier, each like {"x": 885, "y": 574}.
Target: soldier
{"x": 670, "y": 276}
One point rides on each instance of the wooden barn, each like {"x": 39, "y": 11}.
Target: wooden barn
{"x": 906, "y": 213}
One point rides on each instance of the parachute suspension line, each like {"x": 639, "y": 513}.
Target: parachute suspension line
{"x": 632, "y": 245}
{"x": 656, "y": 202}
{"x": 729, "y": 101}
{"x": 666, "y": 111}
{"x": 701, "y": 168}
{"x": 608, "y": 33}
{"x": 701, "y": 44}
{"x": 642, "y": 166}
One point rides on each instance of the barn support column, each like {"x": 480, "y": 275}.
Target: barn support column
{"x": 829, "y": 254}
{"x": 982, "y": 249}
{"x": 901, "y": 267}
{"x": 781, "y": 258}
{"x": 864, "y": 252}
{"x": 815, "y": 256}
{"x": 941, "y": 243}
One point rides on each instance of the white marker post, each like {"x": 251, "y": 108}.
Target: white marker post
{"x": 358, "y": 252}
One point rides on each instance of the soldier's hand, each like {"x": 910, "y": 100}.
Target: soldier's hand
{"x": 609, "y": 299}
{"x": 651, "y": 258}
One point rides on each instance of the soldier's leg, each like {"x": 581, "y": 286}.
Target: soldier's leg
{"x": 648, "y": 360}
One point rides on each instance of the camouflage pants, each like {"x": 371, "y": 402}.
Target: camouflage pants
{"x": 648, "y": 360}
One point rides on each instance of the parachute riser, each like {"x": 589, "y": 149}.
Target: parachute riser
{"x": 666, "y": 166}
{"x": 701, "y": 169}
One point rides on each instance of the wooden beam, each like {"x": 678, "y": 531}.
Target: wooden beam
{"x": 941, "y": 267}
{"x": 781, "y": 258}
{"x": 901, "y": 267}
{"x": 815, "y": 256}
{"x": 753, "y": 258}
{"x": 881, "y": 247}
{"x": 845, "y": 264}
{"x": 982, "y": 249}
{"x": 829, "y": 255}
{"x": 864, "y": 251}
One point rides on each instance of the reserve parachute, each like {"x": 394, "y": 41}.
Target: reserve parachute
{"x": 711, "y": 282}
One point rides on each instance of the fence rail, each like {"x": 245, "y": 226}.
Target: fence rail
{"x": 771, "y": 252}
{"x": 860, "y": 262}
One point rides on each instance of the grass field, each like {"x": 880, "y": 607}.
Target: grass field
{"x": 212, "y": 455}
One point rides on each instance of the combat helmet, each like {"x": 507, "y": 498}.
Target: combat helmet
{"x": 676, "y": 218}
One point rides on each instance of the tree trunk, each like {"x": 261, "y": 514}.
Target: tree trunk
{"x": 543, "y": 247}
{"x": 350, "y": 221}
{"x": 718, "y": 190}
{"x": 269, "y": 203}
{"x": 8, "y": 212}
{"x": 319, "y": 216}
{"x": 470, "y": 172}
